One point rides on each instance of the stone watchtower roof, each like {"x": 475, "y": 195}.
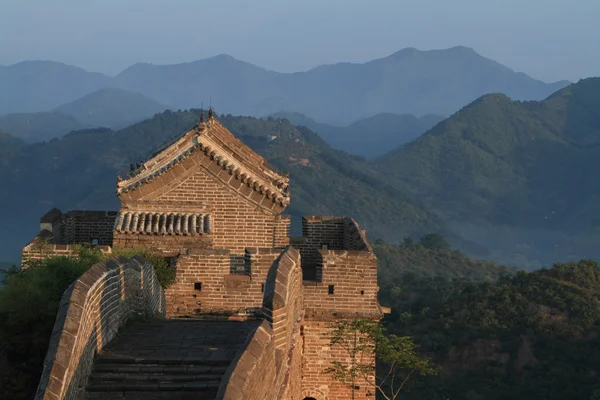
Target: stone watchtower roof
{"x": 230, "y": 154}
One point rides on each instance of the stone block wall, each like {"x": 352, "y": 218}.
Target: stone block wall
{"x": 91, "y": 312}
{"x": 205, "y": 284}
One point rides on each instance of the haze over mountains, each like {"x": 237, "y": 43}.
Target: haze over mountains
{"x": 407, "y": 82}
{"x": 370, "y": 137}
{"x": 504, "y": 179}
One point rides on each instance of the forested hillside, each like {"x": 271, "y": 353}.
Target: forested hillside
{"x": 495, "y": 333}
{"x": 516, "y": 173}
{"x": 80, "y": 171}
{"x": 370, "y": 137}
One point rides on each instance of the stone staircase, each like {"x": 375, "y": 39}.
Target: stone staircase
{"x": 167, "y": 359}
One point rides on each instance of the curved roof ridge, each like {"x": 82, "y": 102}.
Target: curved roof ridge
{"x": 224, "y": 148}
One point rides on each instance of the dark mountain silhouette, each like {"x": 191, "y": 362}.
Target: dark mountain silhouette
{"x": 409, "y": 81}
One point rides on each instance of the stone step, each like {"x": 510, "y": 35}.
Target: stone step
{"x": 160, "y": 369}
{"x": 153, "y": 386}
{"x": 121, "y": 377}
{"x": 138, "y": 395}
{"x": 211, "y": 359}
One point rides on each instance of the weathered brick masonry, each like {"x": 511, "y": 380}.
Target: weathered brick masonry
{"x": 91, "y": 311}
{"x": 214, "y": 207}
{"x": 270, "y": 367}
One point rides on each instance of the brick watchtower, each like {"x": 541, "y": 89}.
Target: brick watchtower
{"x": 214, "y": 207}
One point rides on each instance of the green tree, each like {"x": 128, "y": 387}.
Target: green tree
{"x": 434, "y": 241}
{"x": 29, "y": 301}
{"x": 362, "y": 339}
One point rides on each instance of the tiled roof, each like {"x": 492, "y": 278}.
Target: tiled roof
{"x": 226, "y": 150}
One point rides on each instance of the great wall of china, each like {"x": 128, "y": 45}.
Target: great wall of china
{"x": 250, "y": 312}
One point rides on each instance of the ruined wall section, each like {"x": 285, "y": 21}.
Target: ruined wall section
{"x": 205, "y": 284}
{"x": 91, "y": 312}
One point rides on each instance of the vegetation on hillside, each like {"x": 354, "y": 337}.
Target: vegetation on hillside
{"x": 513, "y": 175}
{"x": 397, "y": 359}
{"x": 29, "y": 302}
{"x": 39, "y": 127}
{"x": 370, "y": 137}
{"x": 10, "y": 147}
{"x": 494, "y": 332}
{"x": 79, "y": 171}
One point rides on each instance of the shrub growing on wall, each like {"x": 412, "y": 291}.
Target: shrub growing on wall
{"x": 164, "y": 272}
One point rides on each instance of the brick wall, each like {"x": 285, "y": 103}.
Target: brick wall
{"x": 254, "y": 375}
{"x": 241, "y": 216}
{"x": 355, "y": 238}
{"x": 344, "y": 287}
{"x": 41, "y": 248}
{"x": 204, "y": 283}
{"x": 271, "y": 365}
{"x": 318, "y": 356}
{"x": 84, "y": 226}
{"x": 284, "y": 306}
{"x": 282, "y": 231}
{"x": 352, "y": 277}
{"x": 167, "y": 243}
{"x": 91, "y": 312}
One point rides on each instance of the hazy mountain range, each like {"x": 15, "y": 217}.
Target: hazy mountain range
{"x": 407, "y": 82}
{"x": 370, "y": 137}
{"x": 515, "y": 178}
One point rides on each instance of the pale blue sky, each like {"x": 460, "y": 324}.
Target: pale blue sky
{"x": 548, "y": 39}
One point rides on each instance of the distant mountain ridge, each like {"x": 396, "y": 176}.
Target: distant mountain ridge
{"x": 409, "y": 81}
{"x": 370, "y": 137}
{"x": 34, "y": 86}
{"x": 39, "y": 126}
{"x": 79, "y": 171}
{"x": 111, "y": 107}
{"x": 513, "y": 173}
